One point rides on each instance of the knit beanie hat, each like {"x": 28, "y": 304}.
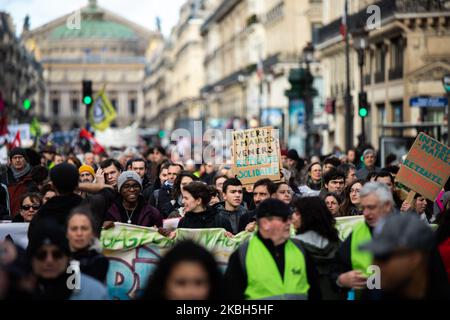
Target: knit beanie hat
{"x": 86, "y": 168}
{"x": 128, "y": 175}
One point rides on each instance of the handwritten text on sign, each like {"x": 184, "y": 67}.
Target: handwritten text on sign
{"x": 426, "y": 168}
{"x": 256, "y": 155}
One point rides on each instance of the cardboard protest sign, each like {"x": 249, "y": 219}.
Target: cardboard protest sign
{"x": 256, "y": 155}
{"x": 426, "y": 168}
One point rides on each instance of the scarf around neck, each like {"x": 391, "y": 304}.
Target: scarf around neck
{"x": 19, "y": 174}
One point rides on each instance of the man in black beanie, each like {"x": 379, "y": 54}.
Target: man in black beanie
{"x": 64, "y": 178}
{"x": 18, "y": 178}
{"x": 288, "y": 271}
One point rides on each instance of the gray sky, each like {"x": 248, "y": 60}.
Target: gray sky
{"x": 142, "y": 12}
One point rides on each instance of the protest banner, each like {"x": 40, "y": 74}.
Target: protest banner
{"x": 256, "y": 155}
{"x": 134, "y": 251}
{"x": 426, "y": 168}
{"x": 17, "y": 231}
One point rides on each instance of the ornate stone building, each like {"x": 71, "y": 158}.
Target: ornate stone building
{"x": 406, "y": 57}
{"x": 176, "y": 73}
{"x": 21, "y": 76}
{"x": 242, "y": 34}
{"x": 105, "y": 48}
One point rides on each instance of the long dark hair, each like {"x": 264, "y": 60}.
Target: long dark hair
{"x": 315, "y": 216}
{"x": 199, "y": 190}
{"x": 177, "y": 184}
{"x": 163, "y": 165}
{"x": 347, "y": 204}
{"x": 182, "y": 252}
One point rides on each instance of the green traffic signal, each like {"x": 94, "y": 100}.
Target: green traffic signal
{"x": 87, "y": 100}
{"x": 363, "y": 112}
{"x": 27, "y": 104}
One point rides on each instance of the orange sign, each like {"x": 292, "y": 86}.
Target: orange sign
{"x": 426, "y": 168}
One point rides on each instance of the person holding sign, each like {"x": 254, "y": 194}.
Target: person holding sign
{"x": 351, "y": 264}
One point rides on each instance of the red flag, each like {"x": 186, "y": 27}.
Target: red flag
{"x": 97, "y": 147}
{"x": 343, "y": 26}
{"x": 16, "y": 143}
{"x": 3, "y": 125}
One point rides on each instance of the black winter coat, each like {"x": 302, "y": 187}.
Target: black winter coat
{"x": 204, "y": 220}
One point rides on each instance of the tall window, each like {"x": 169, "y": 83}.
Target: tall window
{"x": 315, "y": 27}
{"x": 380, "y": 64}
{"x": 114, "y": 103}
{"x": 397, "y": 58}
{"x": 55, "y": 107}
{"x": 132, "y": 107}
{"x": 75, "y": 106}
{"x": 397, "y": 115}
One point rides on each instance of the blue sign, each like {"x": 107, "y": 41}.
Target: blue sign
{"x": 428, "y": 102}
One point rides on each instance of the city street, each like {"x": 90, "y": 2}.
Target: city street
{"x": 225, "y": 150}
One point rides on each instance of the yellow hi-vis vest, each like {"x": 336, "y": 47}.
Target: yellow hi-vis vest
{"x": 264, "y": 279}
{"x": 361, "y": 260}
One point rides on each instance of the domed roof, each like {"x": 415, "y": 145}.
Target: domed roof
{"x": 99, "y": 29}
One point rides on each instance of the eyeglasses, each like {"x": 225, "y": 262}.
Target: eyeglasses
{"x": 28, "y": 207}
{"x": 357, "y": 191}
{"x": 43, "y": 254}
{"x": 133, "y": 187}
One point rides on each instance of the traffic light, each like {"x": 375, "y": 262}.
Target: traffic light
{"x": 87, "y": 92}
{"x": 363, "y": 105}
{"x": 27, "y": 104}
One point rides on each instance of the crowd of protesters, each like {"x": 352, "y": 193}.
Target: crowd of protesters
{"x": 68, "y": 199}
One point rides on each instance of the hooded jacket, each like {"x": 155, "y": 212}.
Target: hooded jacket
{"x": 232, "y": 216}
{"x": 144, "y": 215}
{"x": 322, "y": 251}
{"x": 204, "y": 220}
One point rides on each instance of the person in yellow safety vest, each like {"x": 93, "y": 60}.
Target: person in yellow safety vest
{"x": 350, "y": 267}
{"x": 271, "y": 265}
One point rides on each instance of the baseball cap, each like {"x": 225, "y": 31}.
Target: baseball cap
{"x": 403, "y": 231}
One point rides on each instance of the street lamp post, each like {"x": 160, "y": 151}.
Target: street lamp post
{"x": 348, "y": 97}
{"x": 360, "y": 43}
{"x": 242, "y": 79}
{"x": 308, "y": 58}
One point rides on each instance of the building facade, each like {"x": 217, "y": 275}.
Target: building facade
{"x": 407, "y": 57}
{"x": 104, "y": 48}
{"x": 250, "y": 47}
{"x": 18, "y": 66}
{"x": 176, "y": 73}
